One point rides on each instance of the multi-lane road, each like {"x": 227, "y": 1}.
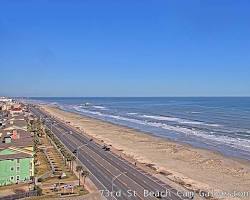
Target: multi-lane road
{"x": 115, "y": 177}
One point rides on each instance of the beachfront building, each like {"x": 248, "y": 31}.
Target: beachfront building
{"x": 16, "y": 111}
{"x": 16, "y": 146}
{"x": 5, "y": 99}
{"x": 16, "y": 124}
{"x": 16, "y": 166}
{"x": 16, "y": 157}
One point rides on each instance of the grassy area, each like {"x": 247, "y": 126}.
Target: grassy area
{"x": 43, "y": 167}
{"x": 53, "y": 157}
{"x": 81, "y": 190}
{"x": 70, "y": 176}
{"x": 56, "y": 179}
{"x": 49, "y": 194}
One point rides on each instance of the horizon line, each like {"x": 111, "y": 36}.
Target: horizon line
{"x": 128, "y": 96}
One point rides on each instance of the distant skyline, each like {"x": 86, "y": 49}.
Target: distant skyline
{"x": 124, "y": 48}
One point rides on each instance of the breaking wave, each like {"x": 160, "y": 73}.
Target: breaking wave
{"x": 100, "y": 107}
{"x": 179, "y": 120}
{"x": 238, "y": 143}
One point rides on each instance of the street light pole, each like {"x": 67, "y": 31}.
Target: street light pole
{"x": 78, "y": 148}
{"x": 53, "y": 125}
{"x": 114, "y": 178}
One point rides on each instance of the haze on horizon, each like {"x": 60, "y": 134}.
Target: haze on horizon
{"x": 125, "y": 48}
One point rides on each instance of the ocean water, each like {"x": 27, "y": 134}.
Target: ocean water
{"x": 221, "y": 124}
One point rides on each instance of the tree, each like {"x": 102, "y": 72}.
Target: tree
{"x": 71, "y": 159}
{"x": 39, "y": 190}
{"x": 84, "y": 174}
{"x": 79, "y": 169}
{"x": 66, "y": 156}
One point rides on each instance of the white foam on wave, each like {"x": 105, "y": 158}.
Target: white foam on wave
{"x": 179, "y": 120}
{"x": 85, "y": 104}
{"x": 194, "y": 123}
{"x": 195, "y": 112}
{"x": 162, "y": 118}
{"x": 132, "y": 113}
{"x": 212, "y": 125}
{"x": 89, "y": 105}
{"x": 80, "y": 109}
{"x": 100, "y": 107}
{"x": 54, "y": 103}
{"x": 243, "y": 144}
{"x": 238, "y": 143}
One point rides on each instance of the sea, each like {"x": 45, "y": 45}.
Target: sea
{"x": 220, "y": 124}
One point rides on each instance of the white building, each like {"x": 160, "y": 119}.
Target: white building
{"x": 4, "y": 99}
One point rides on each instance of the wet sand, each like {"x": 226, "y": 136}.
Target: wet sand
{"x": 194, "y": 168}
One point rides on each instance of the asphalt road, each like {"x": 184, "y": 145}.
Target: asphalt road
{"x": 131, "y": 182}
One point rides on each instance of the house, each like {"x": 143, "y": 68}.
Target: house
{"x": 17, "y": 138}
{"x": 16, "y": 166}
{"x": 15, "y": 111}
{"x": 5, "y": 99}
{"x": 16, "y": 147}
{"x": 16, "y": 124}
{"x": 16, "y": 156}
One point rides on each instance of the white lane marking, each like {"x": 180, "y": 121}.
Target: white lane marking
{"x": 112, "y": 167}
{"x": 76, "y": 143}
{"x": 84, "y": 165}
{"x": 130, "y": 166}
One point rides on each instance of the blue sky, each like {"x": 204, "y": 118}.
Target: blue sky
{"x": 125, "y": 48}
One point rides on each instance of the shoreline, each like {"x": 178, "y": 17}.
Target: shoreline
{"x": 199, "y": 142}
{"x": 195, "y": 168}
{"x": 188, "y": 145}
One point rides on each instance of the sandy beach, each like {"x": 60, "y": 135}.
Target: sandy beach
{"x": 196, "y": 169}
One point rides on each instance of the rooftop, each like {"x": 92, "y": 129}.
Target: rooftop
{"x": 25, "y": 139}
{"x": 15, "y": 156}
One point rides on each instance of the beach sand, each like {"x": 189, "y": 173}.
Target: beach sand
{"x": 194, "y": 168}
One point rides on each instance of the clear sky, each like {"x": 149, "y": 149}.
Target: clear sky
{"x": 125, "y": 48}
